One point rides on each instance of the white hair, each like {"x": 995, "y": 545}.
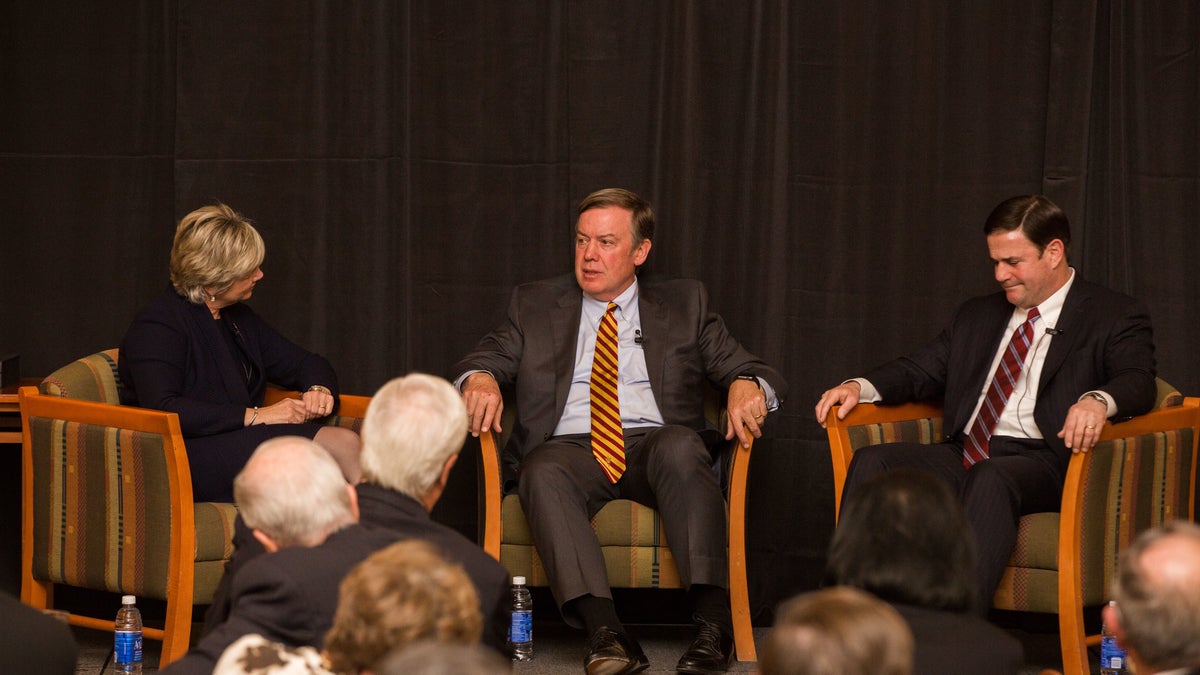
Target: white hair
{"x": 293, "y": 491}
{"x": 413, "y": 425}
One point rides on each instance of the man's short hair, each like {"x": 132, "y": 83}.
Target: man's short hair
{"x": 837, "y": 631}
{"x": 1039, "y": 218}
{"x": 1158, "y": 596}
{"x": 292, "y": 490}
{"x": 640, "y": 210}
{"x": 413, "y": 425}
{"x": 902, "y": 536}
{"x": 398, "y": 595}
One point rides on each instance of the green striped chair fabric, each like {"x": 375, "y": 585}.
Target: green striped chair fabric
{"x": 1126, "y": 484}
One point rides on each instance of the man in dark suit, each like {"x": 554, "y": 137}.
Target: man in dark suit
{"x": 575, "y": 447}
{"x": 413, "y": 431}
{"x": 294, "y": 499}
{"x": 1078, "y": 354}
{"x": 1156, "y": 617}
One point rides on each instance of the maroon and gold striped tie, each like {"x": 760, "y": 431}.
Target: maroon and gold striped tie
{"x": 608, "y": 440}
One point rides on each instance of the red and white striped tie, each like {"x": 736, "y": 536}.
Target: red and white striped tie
{"x": 975, "y": 449}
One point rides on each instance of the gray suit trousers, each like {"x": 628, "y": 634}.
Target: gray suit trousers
{"x": 668, "y": 468}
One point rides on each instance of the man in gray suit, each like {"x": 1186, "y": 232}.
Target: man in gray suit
{"x": 668, "y": 343}
{"x": 1013, "y": 414}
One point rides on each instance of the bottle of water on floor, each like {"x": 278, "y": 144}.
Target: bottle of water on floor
{"x": 1112, "y": 657}
{"x": 127, "y": 655}
{"x": 520, "y": 630}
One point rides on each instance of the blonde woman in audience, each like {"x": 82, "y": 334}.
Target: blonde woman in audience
{"x": 837, "y": 631}
{"x": 402, "y": 594}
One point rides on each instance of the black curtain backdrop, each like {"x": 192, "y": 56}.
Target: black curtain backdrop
{"x": 824, "y": 166}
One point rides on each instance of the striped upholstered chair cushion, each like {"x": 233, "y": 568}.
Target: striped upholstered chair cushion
{"x": 108, "y": 533}
{"x": 631, "y": 537}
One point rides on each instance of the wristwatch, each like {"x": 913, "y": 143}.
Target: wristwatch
{"x": 747, "y": 376}
{"x": 1097, "y": 396}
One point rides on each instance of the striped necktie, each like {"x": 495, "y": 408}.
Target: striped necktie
{"x": 608, "y": 440}
{"x": 975, "y": 449}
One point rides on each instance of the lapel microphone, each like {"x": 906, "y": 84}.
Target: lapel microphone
{"x": 637, "y": 336}
{"x": 1054, "y": 331}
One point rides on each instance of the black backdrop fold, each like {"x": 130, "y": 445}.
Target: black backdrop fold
{"x": 824, "y": 166}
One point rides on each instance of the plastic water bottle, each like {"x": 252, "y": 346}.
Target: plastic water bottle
{"x": 1112, "y": 657}
{"x": 520, "y": 630}
{"x": 127, "y": 637}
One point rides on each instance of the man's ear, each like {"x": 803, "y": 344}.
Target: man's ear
{"x": 434, "y": 493}
{"x": 445, "y": 477}
{"x": 353, "y": 500}
{"x": 1057, "y": 250}
{"x": 266, "y": 540}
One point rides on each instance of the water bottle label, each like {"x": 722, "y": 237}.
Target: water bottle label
{"x": 1111, "y": 654}
{"x": 521, "y": 628}
{"x": 128, "y": 646}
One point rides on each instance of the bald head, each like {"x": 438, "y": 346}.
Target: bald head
{"x": 1158, "y": 597}
{"x": 293, "y": 492}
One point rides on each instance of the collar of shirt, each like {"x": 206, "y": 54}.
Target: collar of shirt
{"x": 627, "y": 309}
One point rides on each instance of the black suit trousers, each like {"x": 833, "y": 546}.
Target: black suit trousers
{"x": 668, "y": 468}
{"x": 1021, "y": 476}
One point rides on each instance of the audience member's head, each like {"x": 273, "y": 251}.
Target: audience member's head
{"x": 412, "y": 433}
{"x": 903, "y": 537}
{"x": 837, "y": 631}
{"x": 401, "y": 594}
{"x": 439, "y": 658}
{"x": 292, "y": 493}
{"x": 1157, "y": 616}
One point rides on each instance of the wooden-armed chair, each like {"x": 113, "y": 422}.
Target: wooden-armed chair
{"x": 1139, "y": 475}
{"x": 631, "y": 535}
{"x": 107, "y": 500}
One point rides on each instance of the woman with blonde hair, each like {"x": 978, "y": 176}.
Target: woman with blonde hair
{"x": 199, "y": 351}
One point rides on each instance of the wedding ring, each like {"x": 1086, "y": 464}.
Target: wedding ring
{"x": 1091, "y": 426}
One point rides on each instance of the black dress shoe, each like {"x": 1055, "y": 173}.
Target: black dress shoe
{"x": 710, "y": 651}
{"x": 613, "y": 653}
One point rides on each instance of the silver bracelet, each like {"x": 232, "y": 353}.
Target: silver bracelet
{"x": 253, "y": 417}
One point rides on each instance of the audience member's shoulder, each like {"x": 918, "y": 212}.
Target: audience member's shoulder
{"x": 35, "y": 642}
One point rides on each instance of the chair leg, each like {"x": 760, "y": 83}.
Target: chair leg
{"x": 739, "y": 600}
{"x": 177, "y": 632}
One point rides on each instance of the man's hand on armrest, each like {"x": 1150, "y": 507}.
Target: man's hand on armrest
{"x": 845, "y": 395}
{"x": 481, "y": 394}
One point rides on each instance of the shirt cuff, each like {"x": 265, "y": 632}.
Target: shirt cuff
{"x": 867, "y": 392}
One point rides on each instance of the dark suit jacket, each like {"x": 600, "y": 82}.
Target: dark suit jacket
{"x": 34, "y": 642}
{"x": 1104, "y": 342}
{"x": 953, "y": 643}
{"x": 390, "y": 511}
{"x": 399, "y": 517}
{"x": 288, "y": 596}
{"x": 534, "y": 350}
{"x": 175, "y": 357}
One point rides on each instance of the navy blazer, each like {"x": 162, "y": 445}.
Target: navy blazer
{"x": 175, "y": 357}
{"x": 685, "y": 345}
{"x": 1104, "y": 342}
